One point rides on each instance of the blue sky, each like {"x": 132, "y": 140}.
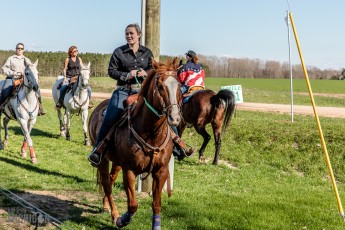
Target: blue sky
{"x": 233, "y": 28}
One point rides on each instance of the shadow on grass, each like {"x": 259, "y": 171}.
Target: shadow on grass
{"x": 40, "y": 171}
{"x": 34, "y": 132}
{"x": 56, "y": 208}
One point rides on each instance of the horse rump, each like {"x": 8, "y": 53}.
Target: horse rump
{"x": 227, "y": 99}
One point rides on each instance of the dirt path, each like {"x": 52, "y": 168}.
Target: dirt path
{"x": 279, "y": 108}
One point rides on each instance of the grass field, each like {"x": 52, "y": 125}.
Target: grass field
{"x": 278, "y": 178}
{"x": 275, "y": 91}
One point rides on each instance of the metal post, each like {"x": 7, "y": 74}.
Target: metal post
{"x": 287, "y": 20}
{"x": 340, "y": 207}
{"x": 142, "y": 42}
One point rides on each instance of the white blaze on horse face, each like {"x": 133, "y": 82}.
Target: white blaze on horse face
{"x": 172, "y": 85}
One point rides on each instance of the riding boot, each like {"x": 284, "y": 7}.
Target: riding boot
{"x": 181, "y": 148}
{"x": 41, "y": 111}
{"x": 95, "y": 156}
{"x": 91, "y": 105}
{"x": 61, "y": 98}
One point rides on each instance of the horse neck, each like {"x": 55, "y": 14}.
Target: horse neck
{"x": 147, "y": 120}
{"x": 26, "y": 91}
{"x": 80, "y": 90}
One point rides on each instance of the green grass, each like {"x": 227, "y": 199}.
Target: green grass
{"x": 279, "y": 178}
{"x": 272, "y": 91}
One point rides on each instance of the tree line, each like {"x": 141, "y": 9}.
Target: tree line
{"x": 51, "y": 65}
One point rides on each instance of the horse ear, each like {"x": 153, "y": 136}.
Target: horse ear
{"x": 36, "y": 62}
{"x": 176, "y": 62}
{"x": 88, "y": 65}
{"x": 154, "y": 63}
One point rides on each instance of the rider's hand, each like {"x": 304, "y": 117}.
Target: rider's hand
{"x": 141, "y": 73}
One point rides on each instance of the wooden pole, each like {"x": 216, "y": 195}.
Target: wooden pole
{"x": 151, "y": 35}
{"x": 152, "y": 27}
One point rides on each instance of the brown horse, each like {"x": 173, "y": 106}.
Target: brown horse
{"x": 206, "y": 107}
{"x": 142, "y": 143}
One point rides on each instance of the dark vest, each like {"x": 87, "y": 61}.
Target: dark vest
{"x": 73, "y": 68}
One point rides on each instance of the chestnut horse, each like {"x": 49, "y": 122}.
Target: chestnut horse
{"x": 206, "y": 107}
{"x": 142, "y": 143}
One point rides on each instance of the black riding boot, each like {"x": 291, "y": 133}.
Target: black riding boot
{"x": 41, "y": 111}
{"x": 180, "y": 150}
{"x": 61, "y": 98}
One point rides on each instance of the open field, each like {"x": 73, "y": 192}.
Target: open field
{"x": 271, "y": 91}
{"x": 273, "y": 174}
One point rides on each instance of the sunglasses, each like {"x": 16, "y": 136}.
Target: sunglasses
{"x": 20, "y": 48}
{"x": 74, "y": 51}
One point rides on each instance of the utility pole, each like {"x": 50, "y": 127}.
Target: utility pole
{"x": 150, "y": 26}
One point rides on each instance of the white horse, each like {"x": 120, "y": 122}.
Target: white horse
{"x": 76, "y": 101}
{"x": 24, "y": 108}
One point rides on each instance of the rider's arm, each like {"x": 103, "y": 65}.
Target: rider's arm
{"x": 114, "y": 66}
{"x": 7, "y": 67}
{"x": 65, "y": 69}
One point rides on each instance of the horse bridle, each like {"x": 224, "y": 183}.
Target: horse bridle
{"x": 165, "y": 108}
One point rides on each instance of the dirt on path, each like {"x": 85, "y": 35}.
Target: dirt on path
{"x": 278, "y": 108}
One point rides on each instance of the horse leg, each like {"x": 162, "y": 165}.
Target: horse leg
{"x": 26, "y": 128}
{"x": 104, "y": 179}
{"x": 62, "y": 126}
{"x": 31, "y": 147}
{"x": 132, "y": 204}
{"x": 6, "y": 120}
{"x": 84, "y": 116}
{"x": 24, "y": 146}
{"x": 114, "y": 172}
{"x": 1, "y": 143}
{"x": 202, "y": 131}
{"x": 159, "y": 178}
{"x": 217, "y": 140}
{"x": 68, "y": 125}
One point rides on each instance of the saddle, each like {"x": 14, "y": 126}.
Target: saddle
{"x": 70, "y": 84}
{"x": 191, "y": 91}
{"x": 17, "y": 83}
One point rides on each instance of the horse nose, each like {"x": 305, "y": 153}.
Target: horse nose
{"x": 174, "y": 120}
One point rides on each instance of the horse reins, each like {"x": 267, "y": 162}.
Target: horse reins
{"x": 73, "y": 96}
{"x": 165, "y": 108}
{"x": 154, "y": 149}
{"x": 19, "y": 101}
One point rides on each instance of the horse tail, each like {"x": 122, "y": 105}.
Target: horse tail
{"x": 102, "y": 167}
{"x": 227, "y": 98}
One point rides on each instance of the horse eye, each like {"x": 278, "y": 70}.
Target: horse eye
{"x": 26, "y": 73}
{"x": 160, "y": 87}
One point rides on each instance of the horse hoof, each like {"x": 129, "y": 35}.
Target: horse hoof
{"x": 119, "y": 223}
{"x": 62, "y": 134}
{"x": 202, "y": 160}
{"x": 68, "y": 138}
{"x": 24, "y": 155}
{"x": 87, "y": 143}
{"x": 34, "y": 160}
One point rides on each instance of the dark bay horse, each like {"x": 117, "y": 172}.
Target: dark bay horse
{"x": 206, "y": 107}
{"x": 142, "y": 143}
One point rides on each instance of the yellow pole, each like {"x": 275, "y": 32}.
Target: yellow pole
{"x": 340, "y": 207}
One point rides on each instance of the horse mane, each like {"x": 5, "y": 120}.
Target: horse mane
{"x": 143, "y": 92}
{"x": 159, "y": 68}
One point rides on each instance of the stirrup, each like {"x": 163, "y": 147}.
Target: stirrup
{"x": 59, "y": 105}
{"x": 94, "y": 163}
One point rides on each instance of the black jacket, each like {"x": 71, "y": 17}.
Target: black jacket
{"x": 123, "y": 60}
